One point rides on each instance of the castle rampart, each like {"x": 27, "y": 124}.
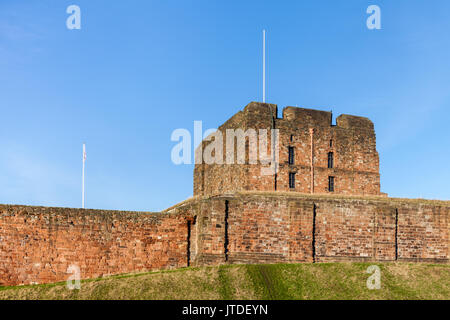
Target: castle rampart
{"x": 38, "y": 244}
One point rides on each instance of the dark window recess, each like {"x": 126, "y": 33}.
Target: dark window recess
{"x": 292, "y": 137}
{"x": 331, "y": 143}
{"x": 189, "y": 243}
{"x": 292, "y": 180}
{"x": 331, "y": 184}
{"x": 330, "y": 160}
{"x": 276, "y": 181}
{"x": 291, "y": 155}
{"x": 314, "y": 234}
{"x": 226, "y": 240}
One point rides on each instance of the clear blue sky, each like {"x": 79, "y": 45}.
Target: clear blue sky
{"x": 137, "y": 70}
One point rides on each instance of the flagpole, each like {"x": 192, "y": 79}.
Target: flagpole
{"x": 264, "y": 65}
{"x": 82, "y": 187}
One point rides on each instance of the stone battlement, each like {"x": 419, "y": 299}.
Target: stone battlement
{"x": 308, "y": 117}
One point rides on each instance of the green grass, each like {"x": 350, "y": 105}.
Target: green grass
{"x": 275, "y": 281}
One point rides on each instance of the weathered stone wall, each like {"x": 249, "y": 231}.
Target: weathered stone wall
{"x": 352, "y": 141}
{"x": 38, "y": 244}
{"x": 225, "y": 177}
{"x": 423, "y": 232}
{"x": 289, "y": 227}
{"x": 355, "y": 230}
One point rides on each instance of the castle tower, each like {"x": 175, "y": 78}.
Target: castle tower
{"x": 314, "y": 156}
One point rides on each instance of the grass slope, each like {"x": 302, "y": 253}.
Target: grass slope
{"x": 277, "y": 281}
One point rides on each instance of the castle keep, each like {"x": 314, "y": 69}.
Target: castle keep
{"x": 315, "y": 156}
{"x": 237, "y": 215}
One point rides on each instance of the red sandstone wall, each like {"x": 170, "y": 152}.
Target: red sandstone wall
{"x": 281, "y": 228}
{"x": 356, "y": 160}
{"x": 210, "y": 232}
{"x": 38, "y": 244}
{"x": 423, "y": 233}
{"x": 356, "y": 230}
{"x": 213, "y": 179}
{"x": 270, "y": 231}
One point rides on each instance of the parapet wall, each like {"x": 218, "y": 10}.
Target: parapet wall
{"x": 284, "y": 227}
{"x": 37, "y": 244}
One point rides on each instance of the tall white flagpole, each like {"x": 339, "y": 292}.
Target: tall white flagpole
{"x": 264, "y": 65}
{"x": 82, "y": 188}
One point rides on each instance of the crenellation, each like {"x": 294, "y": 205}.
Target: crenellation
{"x": 354, "y": 122}
{"x": 301, "y": 117}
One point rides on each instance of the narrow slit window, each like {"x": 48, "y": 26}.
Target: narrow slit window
{"x": 331, "y": 143}
{"x": 292, "y": 180}
{"x": 292, "y": 137}
{"x": 291, "y": 155}
{"x": 330, "y": 160}
{"x": 331, "y": 184}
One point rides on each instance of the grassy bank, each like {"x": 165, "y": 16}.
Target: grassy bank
{"x": 278, "y": 281}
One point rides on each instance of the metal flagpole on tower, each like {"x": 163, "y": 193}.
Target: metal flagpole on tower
{"x": 82, "y": 179}
{"x": 264, "y": 65}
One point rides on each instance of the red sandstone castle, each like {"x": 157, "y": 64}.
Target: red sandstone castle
{"x": 315, "y": 156}
{"x": 322, "y": 204}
